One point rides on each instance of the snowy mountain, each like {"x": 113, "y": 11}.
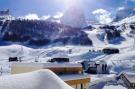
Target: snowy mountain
{"x": 57, "y": 40}
{"x": 78, "y": 53}
{"x": 74, "y": 17}
{"x": 38, "y": 32}
{"x": 124, "y": 13}
{"x": 128, "y": 20}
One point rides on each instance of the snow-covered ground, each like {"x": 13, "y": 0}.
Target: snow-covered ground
{"x": 99, "y": 44}
{"x": 114, "y": 87}
{"x": 100, "y": 80}
{"x": 76, "y": 54}
{"x": 125, "y": 61}
{"x": 93, "y": 36}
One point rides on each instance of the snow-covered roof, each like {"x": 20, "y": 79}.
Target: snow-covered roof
{"x": 130, "y": 77}
{"x": 73, "y": 77}
{"x": 41, "y": 79}
{"x": 47, "y": 65}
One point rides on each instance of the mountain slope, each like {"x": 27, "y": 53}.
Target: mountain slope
{"x": 94, "y": 38}
{"x": 124, "y": 13}
{"x": 127, "y": 20}
{"x": 41, "y": 33}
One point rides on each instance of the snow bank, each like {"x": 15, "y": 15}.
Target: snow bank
{"x": 41, "y": 79}
{"x": 122, "y": 62}
{"x": 114, "y": 87}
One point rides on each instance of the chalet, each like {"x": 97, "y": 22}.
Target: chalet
{"x": 95, "y": 67}
{"x": 71, "y": 73}
{"x": 129, "y": 79}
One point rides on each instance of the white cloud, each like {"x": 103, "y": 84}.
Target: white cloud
{"x": 45, "y": 17}
{"x": 58, "y": 15}
{"x": 31, "y": 16}
{"x": 103, "y": 16}
{"x": 121, "y": 8}
{"x": 34, "y": 16}
{"x": 99, "y": 11}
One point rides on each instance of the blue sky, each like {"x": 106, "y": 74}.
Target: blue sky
{"x": 51, "y": 7}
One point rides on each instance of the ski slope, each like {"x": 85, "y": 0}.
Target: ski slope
{"x": 93, "y": 36}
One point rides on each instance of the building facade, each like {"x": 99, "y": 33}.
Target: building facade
{"x": 71, "y": 73}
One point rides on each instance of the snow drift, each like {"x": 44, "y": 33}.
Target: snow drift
{"x": 114, "y": 87}
{"x": 41, "y": 79}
